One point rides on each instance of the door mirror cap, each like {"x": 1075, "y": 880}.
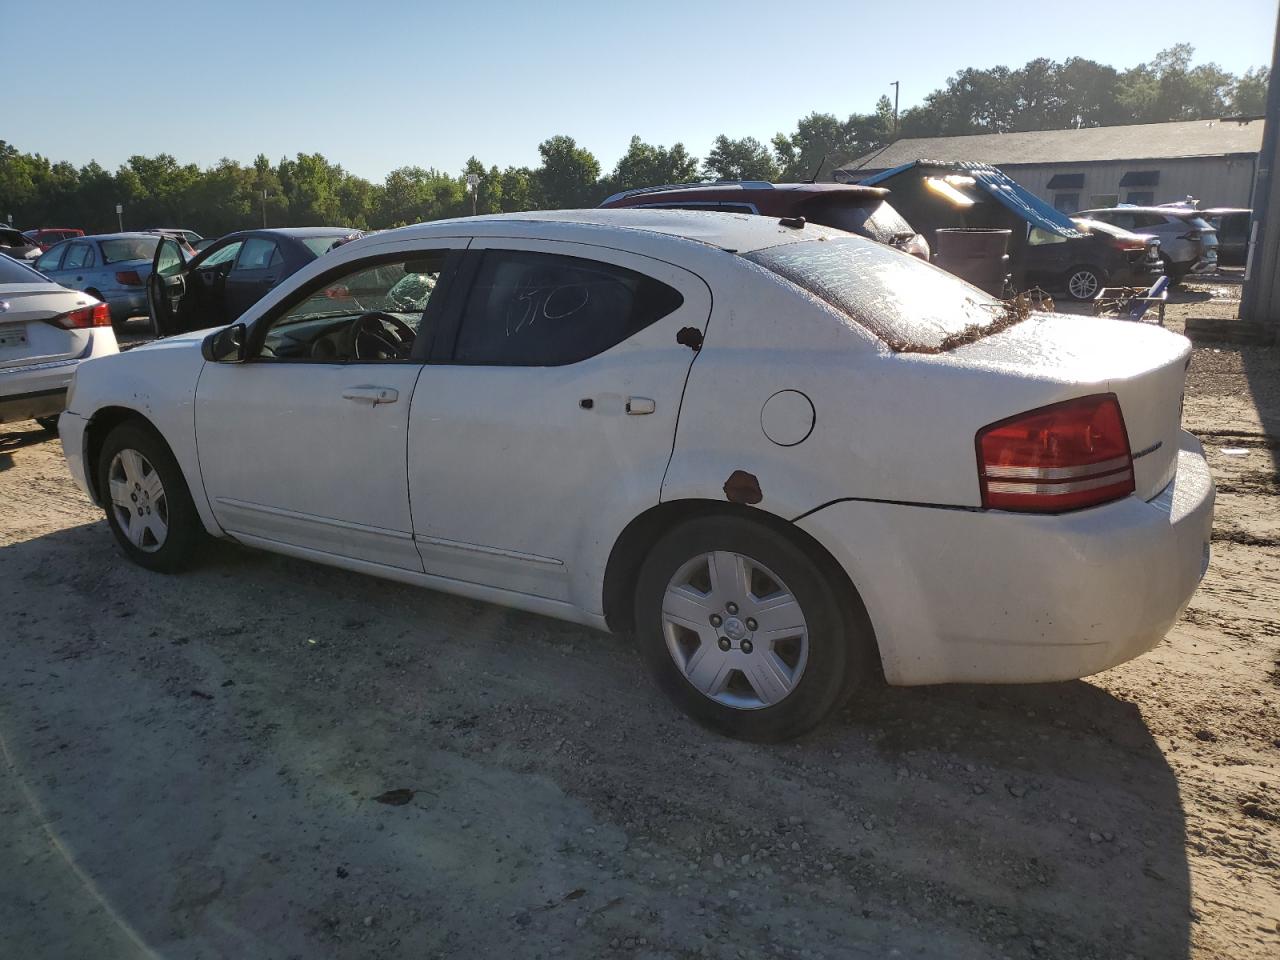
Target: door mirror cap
{"x": 225, "y": 345}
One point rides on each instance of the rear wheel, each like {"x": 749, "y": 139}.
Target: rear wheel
{"x": 148, "y": 505}
{"x": 1084, "y": 282}
{"x": 745, "y": 631}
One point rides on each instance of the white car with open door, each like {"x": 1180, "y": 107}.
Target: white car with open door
{"x": 788, "y": 458}
{"x": 46, "y": 331}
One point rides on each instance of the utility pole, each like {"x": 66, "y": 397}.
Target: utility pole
{"x": 1260, "y": 298}
{"x": 895, "y": 85}
{"x": 264, "y": 208}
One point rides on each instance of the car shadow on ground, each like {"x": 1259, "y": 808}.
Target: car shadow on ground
{"x": 16, "y": 436}
{"x": 194, "y": 762}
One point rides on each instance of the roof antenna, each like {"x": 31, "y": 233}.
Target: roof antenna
{"x": 821, "y": 164}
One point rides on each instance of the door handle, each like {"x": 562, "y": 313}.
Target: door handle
{"x": 371, "y": 395}
{"x": 639, "y": 406}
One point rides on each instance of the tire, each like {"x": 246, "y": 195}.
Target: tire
{"x": 169, "y": 533}
{"x": 1083, "y": 282}
{"x": 48, "y": 424}
{"x": 804, "y": 675}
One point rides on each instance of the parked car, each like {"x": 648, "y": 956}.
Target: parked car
{"x": 17, "y": 245}
{"x": 1081, "y": 266}
{"x": 189, "y": 237}
{"x": 113, "y": 267}
{"x": 1188, "y": 245}
{"x": 46, "y": 237}
{"x": 752, "y": 444}
{"x": 865, "y": 211}
{"x": 46, "y": 331}
{"x": 224, "y": 280}
{"x": 1232, "y": 225}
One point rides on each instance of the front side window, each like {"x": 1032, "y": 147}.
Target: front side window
{"x": 372, "y": 313}
{"x": 49, "y": 260}
{"x": 256, "y": 254}
{"x": 222, "y": 254}
{"x": 1039, "y": 237}
{"x": 546, "y": 310}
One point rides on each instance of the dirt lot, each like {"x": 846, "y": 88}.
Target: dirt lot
{"x": 191, "y": 767}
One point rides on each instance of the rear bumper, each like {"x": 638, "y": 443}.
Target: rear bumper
{"x": 131, "y": 302}
{"x": 28, "y": 406}
{"x": 977, "y": 596}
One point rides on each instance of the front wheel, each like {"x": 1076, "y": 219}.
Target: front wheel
{"x": 1084, "y": 282}
{"x": 745, "y": 631}
{"x": 148, "y": 505}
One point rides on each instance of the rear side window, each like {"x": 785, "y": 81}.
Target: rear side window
{"x": 546, "y": 310}
{"x": 78, "y": 256}
{"x": 910, "y": 305}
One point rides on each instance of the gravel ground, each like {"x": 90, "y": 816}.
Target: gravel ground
{"x": 265, "y": 758}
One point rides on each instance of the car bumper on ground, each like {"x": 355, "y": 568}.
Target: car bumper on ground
{"x": 961, "y": 595}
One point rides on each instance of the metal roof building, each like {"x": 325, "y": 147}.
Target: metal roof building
{"x": 1212, "y": 160}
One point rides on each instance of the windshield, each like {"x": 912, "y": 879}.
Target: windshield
{"x": 128, "y": 248}
{"x": 910, "y": 305}
{"x": 875, "y": 219}
{"x": 11, "y": 271}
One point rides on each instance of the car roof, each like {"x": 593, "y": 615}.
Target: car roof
{"x": 739, "y": 187}
{"x": 1223, "y": 211}
{"x": 127, "y": 235}
{"x": 737, "y": 232}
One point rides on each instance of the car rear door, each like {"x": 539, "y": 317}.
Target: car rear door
{"x": 549, "y": 424}
{"x": 257, "y": 269}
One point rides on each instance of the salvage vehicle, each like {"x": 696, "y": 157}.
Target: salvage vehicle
{"x": 865, "y": 211}
{"x": 226, "y": 278}
{"x": 46, "y": 331}
{"x": 112, "y": 267}
{"x": 1188, "y": 244}
{"x": 771, "y": 450}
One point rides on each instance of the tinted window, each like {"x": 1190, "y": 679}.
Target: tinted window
{"x": 13, "y": 272}
{"x": 322, "y": 245}
{"x": 222, "y": 254}
{"x": 544, "y": 310}
{"x": 256, "y": 254}
{"x": 902, "y": 300}
{"x": 129, "y": 248}
{"x": 877, "y": 220}
{"x": 77, "y": 256}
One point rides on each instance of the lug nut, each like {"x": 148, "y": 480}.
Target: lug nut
{"x": 745, "y": 646}
{"x": 716, "y": 620}
{"x": 731, "y": 607}
{"x": 751, "y": 624}
{"x": 725, "y": 645}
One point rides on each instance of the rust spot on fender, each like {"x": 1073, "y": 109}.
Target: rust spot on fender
{"x": 743, "y": 487}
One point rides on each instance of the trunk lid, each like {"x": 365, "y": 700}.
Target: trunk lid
{"x": 25, "y": 336}
{"x": 1143, "y": 365}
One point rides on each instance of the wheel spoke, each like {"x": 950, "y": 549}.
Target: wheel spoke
{"x": 730, "y": 577}
{"x": 131, "y": 462}
{"x": 779, "y": 616}
{"x": 120, "y": 491}
{"x": 688, "y": 608}
{"x": 768, "y": 676}
{"x": 137, "y": 529}
{"x": 159, "y": 529}
{"x": 151, "y": 485}
{"x": 708, "y": 669}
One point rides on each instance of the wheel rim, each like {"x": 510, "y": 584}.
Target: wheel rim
{"x": 735, "y": 630}
{"x": 138, "y": 500}
{"x": 1083, "y": 284}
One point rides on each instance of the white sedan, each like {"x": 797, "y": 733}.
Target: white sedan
{"x": 787, "y": 458}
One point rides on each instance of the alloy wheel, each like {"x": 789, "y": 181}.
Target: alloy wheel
{"x": 138, "y": 500}
{"x": 1083, "y": 284}
{"x": 735, "y": 631}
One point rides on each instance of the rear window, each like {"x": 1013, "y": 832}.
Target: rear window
{"x": 129, "y": 248}
{"x": 910, "y": 305}
{"x": 322, "y": 245}
{"x": 877, "y": 220}
{"x": 11, "y": 271}
{"x": 12, "y": 238}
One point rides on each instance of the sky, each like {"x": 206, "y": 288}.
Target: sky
{"x": 380, "y": 84}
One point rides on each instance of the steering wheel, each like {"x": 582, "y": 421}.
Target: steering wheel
{"x": 371, "y": 340}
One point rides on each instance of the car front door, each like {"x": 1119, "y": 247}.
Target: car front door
{"x": 551, "y": 422}
{"x": 75, "y": 265}
{"x": 166, "y": 286}
{"x": 302, "y": 445}
{"x": 256, "y": 270}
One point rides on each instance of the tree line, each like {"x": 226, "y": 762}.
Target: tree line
{"x": 310, "y": 190}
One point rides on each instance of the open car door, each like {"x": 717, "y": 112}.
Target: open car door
{"x": 166, "y": 287}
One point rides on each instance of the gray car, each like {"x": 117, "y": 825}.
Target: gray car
{"x": 1188, "y": 244}
{"x": 112, "y": 267}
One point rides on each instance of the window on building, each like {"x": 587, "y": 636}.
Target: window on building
{"x": 1140, "y": 198}
{"x": 1104, "y": 200}
{"x": 1066, "y": 202}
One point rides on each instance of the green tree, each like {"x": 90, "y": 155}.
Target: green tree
{"x": 1249, "y": 93}
{"x": 568, "y": 175}
{"x": 744, "y": 159}
{"x": 644, "y": 165}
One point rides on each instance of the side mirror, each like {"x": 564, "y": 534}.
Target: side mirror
{"x": 225, "y": 346}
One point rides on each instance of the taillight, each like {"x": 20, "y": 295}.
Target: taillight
{"x": 1122, "y": 244}
{"x": 128, "y": 278}
{"x": 99, "y": 315}
{"x": 1062, "y": 457}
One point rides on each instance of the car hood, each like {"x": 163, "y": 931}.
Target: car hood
{"x": 180, "y": 341}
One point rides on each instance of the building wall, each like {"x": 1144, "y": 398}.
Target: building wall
{"x": 1215, "y": 181}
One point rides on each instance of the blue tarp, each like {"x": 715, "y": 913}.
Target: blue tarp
{"x": 991, "y": 180}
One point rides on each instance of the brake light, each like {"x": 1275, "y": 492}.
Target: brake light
{"x": 128, "y": 278}
{"x": 1061, "y": 457}
{"x": 98, "y": 315}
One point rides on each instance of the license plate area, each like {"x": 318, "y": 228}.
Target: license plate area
{"x": 13, "y": 335}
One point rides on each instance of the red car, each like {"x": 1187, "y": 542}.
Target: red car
{"x": 46, "y": 237}
{"x": 865, "y": 211}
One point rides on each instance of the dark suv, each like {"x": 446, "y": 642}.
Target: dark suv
{"x": 861, "y": 210}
